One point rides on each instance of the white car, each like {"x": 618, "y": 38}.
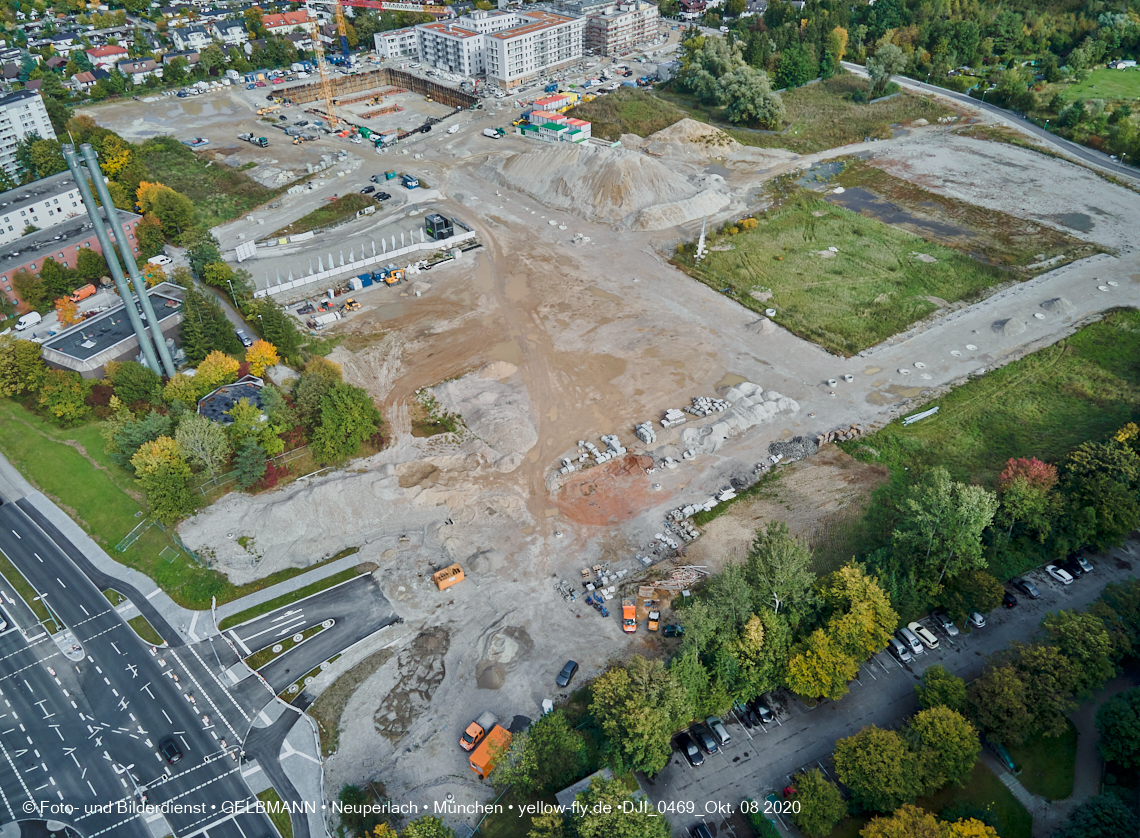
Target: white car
{"x": 924, "y": 634}
{"x": 909, "y": 638}
{"x": 1061, "y": 576}
{"x": 976, "y": 620}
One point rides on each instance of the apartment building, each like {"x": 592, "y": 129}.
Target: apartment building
{"x": 21, "y": 113}
{"x": 620, "y": 28}
{"x": 451, "y": 46}
{"x": 398, "y": 43}
{"x": 44, "y": 203}
{"x": 195, "y": 38}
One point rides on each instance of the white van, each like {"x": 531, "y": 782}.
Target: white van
{"x": 29, "y": 319}
{"x": 160, "y": 259}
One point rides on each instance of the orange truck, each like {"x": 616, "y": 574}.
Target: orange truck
{"x": 493, "y": 748}
{"x": 477, "y": 730}
{"x": 628, "y": 616}
{"x": 82, "y": 293}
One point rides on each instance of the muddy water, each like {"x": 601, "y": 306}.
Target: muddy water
{"x": 1074, "y": 221}
{"x": 730, "y": 379}
{"x": 871, "y": 205}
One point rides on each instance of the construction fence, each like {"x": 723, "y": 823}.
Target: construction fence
{"x": 221, "y": 480}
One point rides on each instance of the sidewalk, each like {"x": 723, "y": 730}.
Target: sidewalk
{"x": 288, "y": 586}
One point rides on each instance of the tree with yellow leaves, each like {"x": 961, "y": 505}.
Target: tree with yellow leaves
{"x": 912, "y": 822}
{"x": 147, "y": 192}
{"x": 152, "y": 455}
{"x": 261, "y": 356}
{"x": 217, "y": 369}
{"x": 67, "y": 312}
{"x": 182, "y": 388}
{"x": 153, "y": 274}
{"x": 164, "y": 473}
{"x": 114, "y": 154}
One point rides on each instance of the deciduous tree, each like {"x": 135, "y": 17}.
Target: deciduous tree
{"x": 547, "y": 757}
{"x": 21, "y": 367}
{"x": 908, "y": 822}
{"x": 63, "y": 395}
{"x": 1118, "y": 721}
{"x": 427, "y": 827}
{"x": 946, "y": 746}
{"x": 135, "y": 383}
{"x": 348, "y": 417}
{"x": 879, "y": 768}
{"x": 1083, "y": 640}
{"x": 820, "y": 668}
{"x": 318, "y": 378}
{"x": 1105, "y": 816}
{"x": 31, "y": 289}
{"x": 215, "y": 370}
{"x": 638, "y": 707}
{"x": 261, "y": 356}
{"x": 940, "y": 688}
{"x": 779, "y": 573}
{"x": 821, "y": 803}
{"x": 204, "y": 442}
{"x": 609, "y": 811}
{"x": 67, "y": 312}
{"x": 748, "y": 97}
{"x": 887, "y": 61}
{"x": 996, "y": 703}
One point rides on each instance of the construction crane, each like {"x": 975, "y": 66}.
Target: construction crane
{"x": 338, "y": 10}
{"x": 322, "y": 67}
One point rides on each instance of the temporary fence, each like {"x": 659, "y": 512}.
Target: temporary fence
{"x": 220, "y": 480}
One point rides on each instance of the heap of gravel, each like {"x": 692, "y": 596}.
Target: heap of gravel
{"x": 1058, "y": 305}
{"x": 795, "y": 448}
{"x": 1009, "y": 327}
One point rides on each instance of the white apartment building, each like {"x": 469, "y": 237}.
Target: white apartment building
{"x": 621, "y": 27}
{"x": 44, "y": 203}
{"x": 398, "y": 43}
{"x": 506, "y": 46}
{"x": 194, "y": 38}
{"x": 21, "y": 113}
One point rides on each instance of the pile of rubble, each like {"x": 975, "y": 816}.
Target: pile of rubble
{"x": 683, "y": 528}
{"x": 645, "y": 433}
{"x": 673, "y": 417}
{"x": 682, "y": 578}
{"x": 587, "y": 451}
{"x": 852, "y": 432}
{"x": 793, "y": 449}
{"x": 704, "y": 406}
{"x": 690, "y": 509}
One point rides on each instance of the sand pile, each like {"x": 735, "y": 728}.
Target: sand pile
{"x": 751, "y": 406}
{"x": 1009, "y": 328}
{"x": 763, "y": 326}
{"x": 1058, "y": 305}
{"x": 691, "y": 140}
{"x": 609, "y": 185}
{"x": 495, "y": 406}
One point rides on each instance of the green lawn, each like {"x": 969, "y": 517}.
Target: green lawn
{"x": 1043, "y": 406}
{"x": 286, "y": 599}
{"x": 1110, "y": 85}
{"x": 276, "y": 812}
{"x": 822, "y": 116}
{"x": 984, "y": 791}
{"x": 627, "y": 111}
{"x": 145, "y": 630}
{"x": 1048, "y": 765}
{"x": 329, "y": 213}
{"x": 872, "y": 288}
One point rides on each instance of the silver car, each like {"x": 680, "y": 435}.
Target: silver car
{"x": 910, "y": 639}
{"x": 900, "y": 651}
{"x": 944, "y": 622}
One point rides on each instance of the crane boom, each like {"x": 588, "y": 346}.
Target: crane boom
{"x": 341, "y": 29}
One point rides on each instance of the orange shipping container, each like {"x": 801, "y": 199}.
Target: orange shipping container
{"x": 493, "y": 747}
{"x": 447, "y": 577}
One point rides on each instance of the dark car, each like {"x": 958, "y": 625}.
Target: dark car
{"x": 674, "y": 630}
{"x": 762, "y": 710}
{"x": 170, "y": 750}
{"x": 567, "y": 674}
{"x": 1074, "y": 569}
{"x": 243, "y": 337}
{"x": 381, "y": 196}
{"x": 699, "y": 831}
{"x": 368, "y": 190}
{"x": 1026, "y": 587}
{"x": 688, "y": 747}
{"x": 704, "y": 738}
{"x": 1009, "y": 600}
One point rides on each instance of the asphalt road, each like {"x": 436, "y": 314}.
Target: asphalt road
{"x": 762, "y": 760}
{"x": 86, "y": 733}
{"x": 1088, "y": 155}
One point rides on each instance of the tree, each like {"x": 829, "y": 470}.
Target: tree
{"x": 749, "y": 97}
{"x": 908, "y": 822}
{"x": 58, "y": 281}
{"x": 30, "y": 289}
{"x": 996, "y": 703}
{"x": 1118, "y": 721}
{"x": 1025, "y": 486}
{"x": 946, "y": 745}
{"x": 940, "y": 688}
{"x": 704, "y": 60}
{"x": 280, "y": 330}
{"x": 173, "y": 210}
{"x": 820, "y": 668}
{"x": 216, "y": 369}
{"x": 90, "y": 264}
{"x": 548, "y": 825}
{"x": 796, "y": 67}
{"x": 942, "y": 525}
{"x": 123, "y": 434}
{"x": 165, "y": 476}
{"x": 427, "y": 827}
{"x": 135, "y": 383}
{"x": 548, "y": 757}
{"x": 201, "y": 250}
{"x": 204, "y": 443}
{"x": 348, "y": 417}
{"x": 779, "y": 572}
{"x": 21, "y": 367}
{"x": 150, "y": 236}
{"x": 1085, "y": 642}
{"x": 861, "y": 618}
{"x": 204, "y": 326}
{"x": 879, "y": 769}
{"x": 219, "y": 275}
{"x": 249, "y": 463}
{"x": 63, "y": 394}
{"x": 821, "y": 803}
{"x": 971, "y": 590}
{"x": 212, "y": 58}
{"x": 1105, "y": 816}
{"x": 638, "y": 707}
{"x": 761, "y": 651}
{"x": 318, "y": 378}
{"x": 176, "y": 71}
{"x": 609, "y": 811}
{"x": 261, "y": 356}
{"x": 889, "y": 60}
{"x": 184, "y": 389}
{"x": 734, "y": 8}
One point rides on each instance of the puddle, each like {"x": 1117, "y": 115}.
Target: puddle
{"x": 508, "y": 350}
{"x": 730, "y": 379}
{"x": 605, "y": 295}
{"x": 819, "y": 175}
{"x": 716, "y": 169}
{"x": 1074, "y": 221}
{"x": 871, "y": 205}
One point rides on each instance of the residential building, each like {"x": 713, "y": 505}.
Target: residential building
{"x": 301, "y": 40}
{"x": 620, "y": 28}
{"x": 81, "y": 81}
{"x": 44, "y": 203}
{"x": 230, "y": 32}
{"x": 192, "y": 57}
{"x": 106, "y": 56}
{"x": 691, "y": 9}
{"x": 191, "y": 38}
{"x": 21, "y": 113}
{"x": 585, "y": 8}
{"x": 61, "y": 242}
{"x": 287, "y": 22}
{"x": 507, "y": 46}
{"x": 140, "y": 69}
{"x": 398, "y": 43}
{"x": 56, "y": 62}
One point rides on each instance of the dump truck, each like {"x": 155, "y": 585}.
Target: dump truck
{"x": 493, "y": 747}
{"x": 628, "y": 616}
{"x": 654, "y": 620}
{"x": 82, "y": 293}
{"x": 477, "y": 730}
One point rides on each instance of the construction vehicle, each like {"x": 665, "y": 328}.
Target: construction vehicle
{"x": 628, "y": 616}
{"x": 390, "y": 275}
{"x": 493, "y": 747}
{"x": 350, "y": 305}
{"x": 268, "y": 109}
{"x": 477, "y": 730}
{"x": 654, "y": 620}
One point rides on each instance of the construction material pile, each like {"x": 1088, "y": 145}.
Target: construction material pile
{"x": 749, "y": 406}
{"x": 645, "y": 432}
{"x": 682, "y": 578}
{"x": 497, "y": 409}
{"x": 705, "y": 406}
{"x": 795, "y": 448}
{"x": 852, "y": 432}
{"x": 673, "y": 416}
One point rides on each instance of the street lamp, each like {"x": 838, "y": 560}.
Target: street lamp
{"x": 232, "y": 296}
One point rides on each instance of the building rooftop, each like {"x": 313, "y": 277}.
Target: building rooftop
{"x": 217, "y": 404}
{"x": 452, "y": 29}
{"x": 539, "y": 21}
{"x": 18, "y": 96}
{"x": 44, "y": 243}
{"x": 106, "y": 329}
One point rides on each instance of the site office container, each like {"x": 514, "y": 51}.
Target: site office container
{"x": 494, "y": 746}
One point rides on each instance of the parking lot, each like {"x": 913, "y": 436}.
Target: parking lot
{"x": 762, "y": 760}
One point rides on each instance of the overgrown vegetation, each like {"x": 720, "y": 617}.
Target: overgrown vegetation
{"x": 873, "y": 285}
{"x": 331, "y": 212}
{"x": 627, "y": 111}
{"x": 431, "y": 419}
{"x": 330, "y": 704}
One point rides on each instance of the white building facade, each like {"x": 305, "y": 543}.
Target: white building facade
{"x": 398, "y": 43}
{"x": 622, "y": 27}
{"x": 43, "y": 203}
{"x": 21, "y": 113}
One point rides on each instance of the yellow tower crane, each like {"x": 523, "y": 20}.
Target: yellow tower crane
{"x": 322, "y": 67}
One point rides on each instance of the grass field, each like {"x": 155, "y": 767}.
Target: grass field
{"x": 219, "y": 192}
{"x": 277, "y": 814}
{"x": 1048, "y": 765}
{"x": 872, "y": 288}
{"x": 821, "y": 116}
{"x": 328, "y": 213}
{"x": 627, "y": 112}
{"x": 145, "y": 630}
{"x": 1110, "y": 85}
{"x": 984, "y": 791}
{"x": 1043, "y": 406}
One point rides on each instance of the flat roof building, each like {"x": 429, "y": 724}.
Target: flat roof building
{"x": 44, "y": 203}
{"x": 21, "y": 113}
{"x": 620, "y": 28}
{"x": 216, "y": 404}
{"x": 398, "y": 43}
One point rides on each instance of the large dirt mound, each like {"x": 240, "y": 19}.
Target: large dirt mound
{"x": 691, "y": 138}
{"x": 610, "y": 185}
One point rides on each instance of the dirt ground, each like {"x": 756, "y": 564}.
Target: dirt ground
{"x": 564, "y": 326}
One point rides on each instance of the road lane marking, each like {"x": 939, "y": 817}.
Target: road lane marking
{"x": 241, "y": 643}
{"x": 154, "y": 593}
{"x": 37, "y": 555}
{"x": 60, "y": 581}
{"x": 17, "y": 535}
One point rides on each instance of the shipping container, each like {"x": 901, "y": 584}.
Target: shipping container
{"x": 493, "y": 747}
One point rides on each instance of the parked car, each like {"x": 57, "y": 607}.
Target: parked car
{"x": 1008, "y": 600}
{"x": 1026, "y": 587}
{"x": 899, "y": 650}
{"x": 911, "y": 640}
{"x": 763, "y": 711}
{"x": 170, "y": 750}
{"x": 259, "y": 83}
{"x": 368, "y": 190}
{"x": 746, "y": 718}
{"x": 674, "y": 630}
{"x": 279, "y": 80}
{"x": 924, "y": 634}
{"x": 1058, "y": 574}
{"x": 718, "y": 730}
{"x": 567, "y": 674}
{"x": 1071, "y": 567}
{"x": 243, "y": 337}
{"x": 976, "y": 620}
{"x": 699, "y": 831}
{"x": 1085, "y": 564}
{"x": 688, "y": 747}
{"x": 704, "y": 739}
{"x": 382, "y": 196}
{"x": 250, "y": 86}
{"x": 944, "y": 622}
